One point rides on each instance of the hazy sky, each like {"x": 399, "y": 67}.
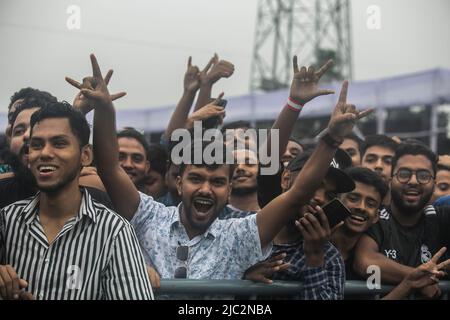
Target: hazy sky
{"x": 147, "y": 42}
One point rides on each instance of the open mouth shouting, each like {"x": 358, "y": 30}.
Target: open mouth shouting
{"x": 203, "y": 206}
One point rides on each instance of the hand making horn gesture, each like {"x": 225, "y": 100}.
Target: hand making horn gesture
{"x": 304, "y": 85}
{"x": 344, "y": 116}
{"x": 92, "y": 85}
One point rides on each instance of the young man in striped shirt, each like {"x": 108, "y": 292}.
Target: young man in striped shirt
{"x": 61, "y": 244}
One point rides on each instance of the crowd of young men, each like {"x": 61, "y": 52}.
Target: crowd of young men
{"x": 75, "y": 228}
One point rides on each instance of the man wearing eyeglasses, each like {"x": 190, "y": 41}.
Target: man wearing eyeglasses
{"x": 409, "y": 232}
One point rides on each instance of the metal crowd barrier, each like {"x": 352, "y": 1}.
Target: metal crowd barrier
{"x": 282, "y": 288}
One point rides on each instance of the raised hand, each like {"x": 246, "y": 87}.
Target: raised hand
{"x": 264, "y": 270}
{"x": 304, "y": 86}
{"x": 215, "y": 70}
{"x": 191, "y": 77}
{"x": 344, "y": 116}
{"x": 91, "y": 84}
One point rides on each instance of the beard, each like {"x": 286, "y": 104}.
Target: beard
{"x": 59, "y": 185}
{"x": 410, "y": 209}
{"x": 244, "y": 191}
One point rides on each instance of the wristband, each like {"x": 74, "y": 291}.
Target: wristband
{"x": 294, "y": 105}
{"x": 329, "y": 140}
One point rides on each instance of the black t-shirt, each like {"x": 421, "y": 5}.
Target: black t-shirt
{"x": 11, "y": 190}
{"x": 269, "y": 187}
{"x": 412, "y": 246}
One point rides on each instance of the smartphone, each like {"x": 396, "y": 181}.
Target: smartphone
{"x": 214, "y": 122}
{"x": 336, "y": 212}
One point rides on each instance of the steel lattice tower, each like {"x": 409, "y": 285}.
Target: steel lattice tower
{"x": 315, "y": 30}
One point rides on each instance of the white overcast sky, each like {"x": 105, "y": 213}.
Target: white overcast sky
{"x": 147, "y": 42}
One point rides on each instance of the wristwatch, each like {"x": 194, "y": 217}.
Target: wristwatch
{"x": 329, "y": 140}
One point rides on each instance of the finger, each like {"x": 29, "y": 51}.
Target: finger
{"x": 323, "y": 220}
{"x": 443, "y": 265}
{"x": 89, "y": 93}
{"x": 311, "y": 72}
{"x": 95, "y": 67}
{"x": 343, "y": 94}
{"x": 308, "y": 226}
{"x": 325, "y": 92}
{"x": 23, "y": 284}
{"x": 364, "y": 113}
{"x": 347, "y": 117}
{"x": 340, "y": 224}
{"x": 215, "y": 59}
{"x": 26, "y": 296}
{"x": 284, "y": 266}
{"x": 303, "y": 72}
{"x": 275, "y": 263}
{"x": 216, "y": 101}
{"x": 316, "y": 227}
{"x": 438, "y": 255}
{"x": 118, "y": 95}
{"x": 208, "y": 66}
{"x": 74, "y": 83}
{"x": 263, "y": 279}
{"x": 295, "y": 65}
{"x": 189, "y": 62}
{"x": 108, "y": 76}
{"x": 14, "y": 286}
{"x": 324, "y": 68}
{"x": 279, "y": 256}
{"x": 2, "y": 284}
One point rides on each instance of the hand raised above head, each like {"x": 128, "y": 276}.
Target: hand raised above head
{"x": 305, "y": 82}
{"x": 344, "y": 115}
{"x": 93, "y": 89}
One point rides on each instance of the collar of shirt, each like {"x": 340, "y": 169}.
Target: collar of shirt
{"x": 29, "y": 213}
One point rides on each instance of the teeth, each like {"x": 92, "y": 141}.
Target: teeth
{"x": 204, "y": 202}
{"x": 47, "y": 168}
{"x": 358, "y": 218}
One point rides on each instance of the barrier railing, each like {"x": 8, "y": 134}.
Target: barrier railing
{"x": 282, "y": 288}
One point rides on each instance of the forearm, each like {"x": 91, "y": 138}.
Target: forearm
{"x": 204, "y": 96}
{"x": 285, "y": 124}
{"x": 391, "y": 271}
{"x": 179, "y": 116}
{"x": 279, "y": 211}
{"x": 106, "y": 147}
{"x": 312, "y": 174}
{"x": 120, "y": 188}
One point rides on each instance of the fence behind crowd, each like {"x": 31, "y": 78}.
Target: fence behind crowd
{"x": 353, "y": 289}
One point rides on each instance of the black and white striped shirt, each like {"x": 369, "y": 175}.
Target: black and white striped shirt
{"x": 96, "y": 255}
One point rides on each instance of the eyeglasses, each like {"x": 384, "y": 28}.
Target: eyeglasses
{"x": 404, "y": 175}
{"x": 182, "y": 255}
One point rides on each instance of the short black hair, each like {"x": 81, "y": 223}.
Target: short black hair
{"x": 358, "y": 140}
{"x": 297, "y": 142}
{"x": 134, "y": 134}
{"x": 237, "y": 125}
{"x": 77, "y": 121}
{"x": 378, "y": 140}
{"x": 32, "y": 98}
{"x": 157, "y": 156}
{"x": 368, "y": 177}
{"x": 415, "y": 149}
{"x": 214, "y": 166}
